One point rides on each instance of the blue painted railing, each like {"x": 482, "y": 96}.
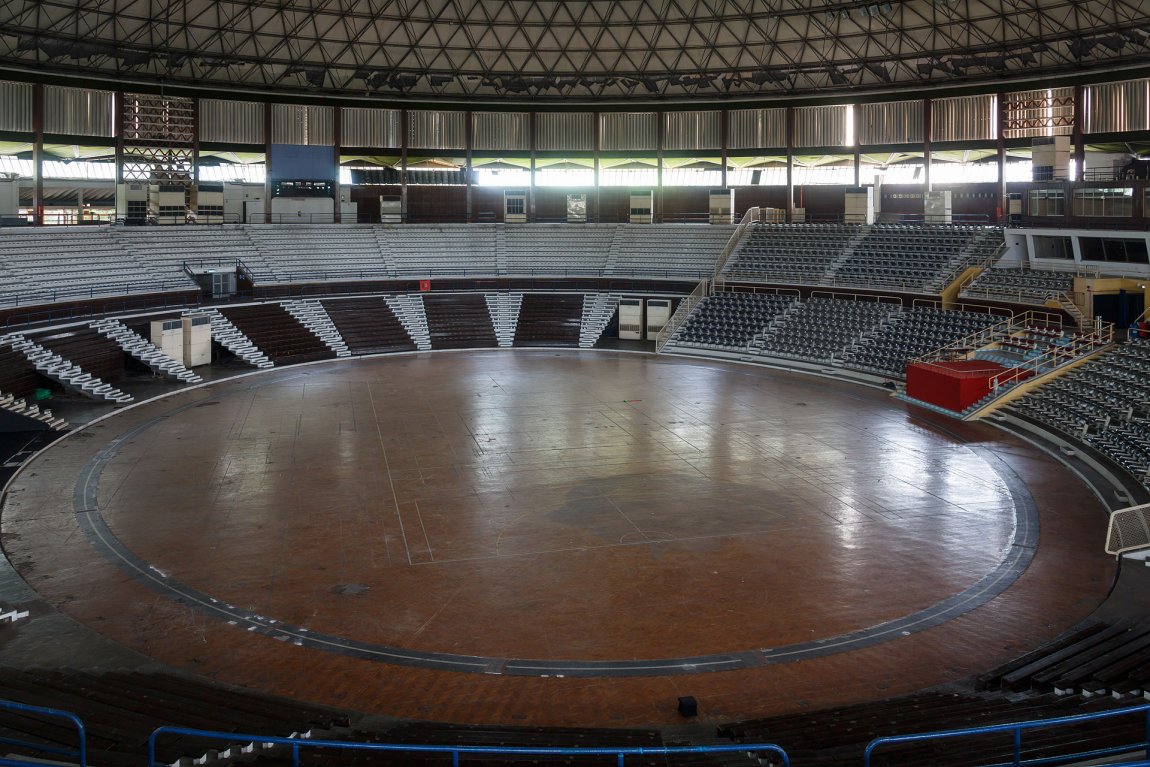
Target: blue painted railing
{"x": 1017, "y": 729}
{"x": 456, "y": 752}
{"x": 80, "y": 753}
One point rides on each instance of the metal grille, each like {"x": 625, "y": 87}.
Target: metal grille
{"x": 435, "y": 129}
{"x": 1046, "y": 112}
{"x": 159, "y": 138}
{"x": 375, "y": 128}
{"x": 1116, "y": 107}
{"x": 964, "y": 118}
{"x": 757, "y": 128}
{"x": 693, "y": 130}
{"x": 302, "y": 125}
{"x": 501, "y": 130}
{"x": 890, "y": 122}
{"x": 15, "y": 107}
{"x": 233, "y": 122}
{"x": 1129, "y": 530}
{"x": 572, "y": 131}
{"x": 628, "y": 130}
{"x": 77, "y": 111}
{"x": 822, "y": 126}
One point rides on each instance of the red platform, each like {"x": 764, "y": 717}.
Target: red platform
{"x": 955, "y": 384}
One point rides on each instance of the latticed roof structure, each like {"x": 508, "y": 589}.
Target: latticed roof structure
{"x": 578, "y": 49}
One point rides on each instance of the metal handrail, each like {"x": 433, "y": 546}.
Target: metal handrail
{"x": 296, "y": 744}
{"x": 81, "y": 753}
{"x": 682, "y": 311}
{"x": 1017, "y": 729}
{"x": 751, "y": 216}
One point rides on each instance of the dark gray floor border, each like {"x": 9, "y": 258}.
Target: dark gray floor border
{"x": 1016, "y": 559}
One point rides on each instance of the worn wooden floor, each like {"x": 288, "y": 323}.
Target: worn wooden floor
{"x": 571, "y": 508}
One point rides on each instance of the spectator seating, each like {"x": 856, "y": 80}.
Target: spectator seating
{"x": 906, "y": 335}
{"x": 319, "y": 253}
{"x": 558, "y": 249}
{"x": 1029, "y": 286}
{"x": 368, "y": 326}
{"x": 85, "y": 347}
{"x": 431, "y": 250}
{"x": 789, "y": 253}
{"x": 121, "y": 709}
{"x": 18, "y": 377}
{"x": 70, "y": 263}
{"x": 277, "y": 334}
{"x": 910, "y": 258}
{"x": 838, "y": 736}
{"x": 683, "y": 250}
{"x": 821, "y": 329}
{"x": 548, "y": 319}
{"x": 728, "y": 321}
{"x": 459, "y": 321}
{"x": 1103, "y": 403}
{"x": 163, "y": 250}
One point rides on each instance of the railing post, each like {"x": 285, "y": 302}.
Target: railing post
{"x": 1017, "y": 747}
{"x": 295, "y": 755}
{"x": 454, "y": 759}
{"x": 620, "y": 759}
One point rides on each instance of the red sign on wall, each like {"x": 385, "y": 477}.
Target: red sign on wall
{"x": 425, "y": 285}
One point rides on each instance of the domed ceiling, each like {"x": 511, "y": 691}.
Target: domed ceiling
{"x": 527, "y": 50}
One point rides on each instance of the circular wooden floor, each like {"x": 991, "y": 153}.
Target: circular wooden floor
{"x": 555, "y": 538}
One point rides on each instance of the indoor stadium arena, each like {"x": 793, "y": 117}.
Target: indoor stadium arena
{"x": 520, "y": 382}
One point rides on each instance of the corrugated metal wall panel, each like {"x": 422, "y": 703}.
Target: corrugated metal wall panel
{"x": 15, "y": 106}
{"x": 501, "y": 130}
{"x": 629, "y": 131}
{"x": 565, "y": 131}
{"x": 964, "y": 118}
{"x": 435, "y": 129}
{"x": 693, "y": 130}
{"x": 890, "y": 122}
{"x": 1044, "y": 112}
{"x": 304, "y": 125}
{"x": 757, "y": 128}
{"x": 233, "y": 122}
{"x": 1117, "y": 107}
{"x": 77, "y": 111}
{"x": 822, "y": 126}
{"x": 376, "y": 128}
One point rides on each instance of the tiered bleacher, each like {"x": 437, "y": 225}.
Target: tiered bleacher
{"x": 277, "y": 334}
{"x": 429, "y": 250}
{"x": 547, "y": 319}
{"x": 911, "y": 258}
{"x": 164, "y": 250}
{"x": 1104, "y": 403}
{"x": 319, "y": 253}
{"x": 729, "y": 321}
{"x": 906, "y": 335}
{"x": 66, "y": 264}
{"x": 789, "y": 253}
{"x": 559, "y": 249}
{"x": 97, "y": 355}
{"x": 368, "y": 326}
{"x": 820, "y": 329}
{"x": 120, "y": 710}
{"x": 459, "y": 321}
{"x": 1030, "y": 286}
{"x": 669, "y": 251}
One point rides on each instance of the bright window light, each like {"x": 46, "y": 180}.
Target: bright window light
{"x": 518, "y": 177}
{"x": 628, "y": 177}
{"x": 572, "y": 177}
{"x": 255, "y": 173}
{"x": 693, "y": 177}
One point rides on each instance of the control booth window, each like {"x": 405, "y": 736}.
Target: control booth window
{"x": 1047, "y": 202}
{"x": 1104, "y": 203}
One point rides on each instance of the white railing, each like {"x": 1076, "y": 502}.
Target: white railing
{"x": 750, "y": 217}
{"x": 701, "y": 291}
{"x": 1129, "y": 530}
